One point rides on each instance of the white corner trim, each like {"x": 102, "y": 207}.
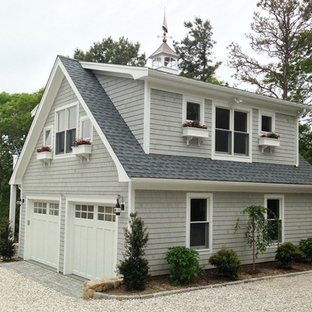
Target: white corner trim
{"x": 297, "y": 141}
{"x": 209, "y": 197}
{"x": 122, "y": 175}
{"x": 147, "y": 117}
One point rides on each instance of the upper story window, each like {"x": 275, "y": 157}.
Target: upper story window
{"x": 266, "y": 122}
{"x": 193, "y": 109}
{"x": 231, "y": 132}
{"x": 85, "y": 129}
{"x": 66, "y": 124}
{"x": 47, "y": 136}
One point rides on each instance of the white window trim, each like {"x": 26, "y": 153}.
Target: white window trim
{"x": 209, "y": 197}
{"x": 44, "y": 136}
{"x": 269, "y": 114}
{"x": 66, "y": 107}
{"x": 281, "y": 198}
{"x": 80, "y": 129}
{"x": 197, "y": 100}
{"x": 240, "y": 108}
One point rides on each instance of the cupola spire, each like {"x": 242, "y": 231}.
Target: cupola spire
{"x": 164, "y": 58}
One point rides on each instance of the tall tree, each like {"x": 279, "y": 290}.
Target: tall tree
{"x": 195, "y": 51}
{"x": 15, "y": 120}
{"x": 120, "y": 52}
{"x": 281, "y": 34}
{"x": 305, "y": 142}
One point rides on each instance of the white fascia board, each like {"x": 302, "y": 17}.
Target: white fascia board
{"x": 204, "y": 87}
{"x": 122, "y": 175}
{"x": 216, "y": 186}
{"x": 43, "y": 108}
{"x": 119, "y": 70}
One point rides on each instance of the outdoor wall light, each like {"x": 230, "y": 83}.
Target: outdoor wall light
{"x": 120, "y": 205}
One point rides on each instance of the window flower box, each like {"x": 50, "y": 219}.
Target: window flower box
{"x": 269, "y": 141}
{"x": 193, "y": 129}
{"x": 82, "y": 149}
{"x": 44, "y": 154}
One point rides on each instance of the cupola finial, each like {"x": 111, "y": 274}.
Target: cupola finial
{"x": 165, "y": 27}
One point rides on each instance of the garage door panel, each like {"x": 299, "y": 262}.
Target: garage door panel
{"x": 93, "y": 244}
{"x": 44, "y": 233}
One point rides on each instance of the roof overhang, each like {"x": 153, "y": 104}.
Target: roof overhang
{"x": 217, "y": 186}
{"x": 200, "y": 88}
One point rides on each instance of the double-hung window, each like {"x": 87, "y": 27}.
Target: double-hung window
{"x": 274, "y": 205}
{"x": 232, "y": 132}
{"x": 199, "y": 221}
{"x": 66, "y": 124}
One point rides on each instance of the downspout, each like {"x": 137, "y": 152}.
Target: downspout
{"x": 13, "y": 189}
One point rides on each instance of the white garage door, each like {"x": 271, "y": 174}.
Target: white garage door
{"x": 44, "y": 238}
{"x": 93, "y": 241}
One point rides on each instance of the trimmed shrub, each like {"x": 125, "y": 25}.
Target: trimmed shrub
{"x": 184, "y": 265}
{"x": 134, "y": 267}
{"x": 227, "y": 263}
{"x": 286, "y": 253}
{"x": 7, "y": 247}
{"x": 305, "y": 246}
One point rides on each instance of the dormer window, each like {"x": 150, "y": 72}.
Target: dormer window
{"x": 85, "y": 129}
{"x": 266, "y": 122}
{"x": 66, "y": 124}
{"x": 232, "y": 132}
{"x": 192, "y": 111}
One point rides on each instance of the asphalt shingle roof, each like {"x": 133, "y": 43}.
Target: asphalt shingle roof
{"x": 138, "y": 164}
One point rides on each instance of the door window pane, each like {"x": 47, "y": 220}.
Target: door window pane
{"x": 193, "y": 111}
{"x": 266, "y": 123}
{"x": 240, "y": 121}
{"x": 222, "y": 118}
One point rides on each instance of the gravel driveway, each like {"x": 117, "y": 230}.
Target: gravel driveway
{"x": 18, "y": 293}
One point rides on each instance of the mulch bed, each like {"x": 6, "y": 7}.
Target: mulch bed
{"x": 209, "y": 277}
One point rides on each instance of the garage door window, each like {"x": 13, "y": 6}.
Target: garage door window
{"x": 53, "y": 209}
{"x": 84, "y": 211}
{"x": 40, "y": 207}
{"x": 106, "y": 213}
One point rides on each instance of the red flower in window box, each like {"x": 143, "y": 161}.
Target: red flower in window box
{"x": 81, "y": 142}
{"x": 194, "y": 124}
{"x": 43, "y": 149}
{"x": 270, "y": 135}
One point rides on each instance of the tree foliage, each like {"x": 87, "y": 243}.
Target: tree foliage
{"x": 7, "y": 248}
{"x": 134, "y": 267}
{"x": 120, "y": 52}
{"x": 281, "y": 34}
{"x": 257, "y": 232}
{"x": 195, "y": 51}
{"x": 305, "y": 142}
{"x": 15, "y": 120}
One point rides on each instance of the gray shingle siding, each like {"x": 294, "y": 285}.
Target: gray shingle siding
{"x": 138, "y": 164}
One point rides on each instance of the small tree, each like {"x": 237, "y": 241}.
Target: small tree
{"x": 7, "y": 248}
{"x": 258, "y": 231}
{"x": 134, "y": 267}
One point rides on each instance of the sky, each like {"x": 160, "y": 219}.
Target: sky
{"x": 34, "y": 32}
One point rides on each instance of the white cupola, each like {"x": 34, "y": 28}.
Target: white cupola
{"x": 164, "y": 58}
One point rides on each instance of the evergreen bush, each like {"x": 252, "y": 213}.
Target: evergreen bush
{"x": 7, "y": 247}
{"x": 134, "y": 267}
{"x": 227, "y": 263}
{"x": 184, "y": 265}
{"x": 286, "y": 253}
{"x": 305, "y": 246}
